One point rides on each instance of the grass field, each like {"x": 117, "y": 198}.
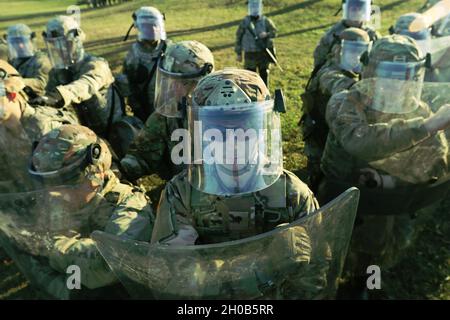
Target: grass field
{"x": 425, "y": 273}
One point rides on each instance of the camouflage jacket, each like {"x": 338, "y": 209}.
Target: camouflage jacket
{"x": 140, "y": 67}
{"x": 245, "y": 40}
{"x": 217, "y": 219}
{"x": 3, "y": 50}
{"x": 34, "y": 71}
{"x": 86, "y": 86}
{"x": 124, "y": 211}
{"x": 34, "y": 123}
{"x": 393, "y": 144}
{"x": 151, "y": 151}
{"x": 323, "y": 49}
{"x": 329, "y": 80}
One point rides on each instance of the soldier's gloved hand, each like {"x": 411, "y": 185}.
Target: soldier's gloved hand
{"x": 293, "y": 243}
{"x": 263, "y": 35}
{"x": 52, "y": 99}
{"x": 130, "y": 167}
{"x": 439, "y": 121}
{"x": 239, "y": 58}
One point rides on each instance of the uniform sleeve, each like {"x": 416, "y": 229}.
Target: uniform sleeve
{"x": 239, "y": 35}
{"x": 41, "y": 69}
{"x": 332, "y": 81}
{"x": 132, "y": 219}
{"x": 371, "y": 142}
{"x": 301, "y": 198}
{"x": 148, "y": 148}
{"x": 172, "y": 218}
{"x": 322, "y": 50}
{"x": 271, "y": 29}
{"x": 95, "y": 76}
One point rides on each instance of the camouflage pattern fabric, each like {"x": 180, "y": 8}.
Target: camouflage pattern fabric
{"x": 326, "y": 43}
{"x": 86, "y": 86}
{"x": 398, "y": 147}
{"x": 150, "y": 152}
{"x": 141, "y": 63}
{"x": 219, "y": 219}
{"x": 3, "y": 50}
{"x": 124, "y": 212}
{"x": 254, "y": 54}
{"x": 34, "y": 71}
{"x": 181, "y": 205}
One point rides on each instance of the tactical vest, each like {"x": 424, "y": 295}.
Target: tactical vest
{"x": 141, "y": 68}
{"x": 248, "y": 41}
{"x": 219, "y": 219}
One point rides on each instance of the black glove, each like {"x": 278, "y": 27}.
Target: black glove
{"x": 52, "y": 99}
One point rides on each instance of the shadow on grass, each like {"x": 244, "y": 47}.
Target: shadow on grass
{"x": 184, "y": 32}
{"x": 392, "y": 5}
{"x": 225, "y": 25}
{"x": 282, "y": 35}
{"x": 112, "y": 54}
{"x": 27, "y": 17}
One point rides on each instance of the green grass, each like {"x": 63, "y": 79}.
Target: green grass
{"x": 214, "y": 22}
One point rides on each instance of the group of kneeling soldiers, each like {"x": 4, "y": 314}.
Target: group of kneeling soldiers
{"x": 65, "y": 129}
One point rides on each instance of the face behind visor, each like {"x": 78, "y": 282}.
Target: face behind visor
{"x": 150, "y": 28}
{"x": 255, "y": 8}
{"x": 351, "y": 52}
{"x": 398, "y": 86}
{"x": 357, "y": 10}
{"x": 239, "y": 142}
{"x": 20, "y": 47}
{"x": 174, "y": 88}
{"x": 64, "y": 41}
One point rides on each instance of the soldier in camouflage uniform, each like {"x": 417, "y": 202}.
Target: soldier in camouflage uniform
{"x": 388, "y": 143}
{"x": 78, "y": 79}
{"x": 356, "y": 14}
{"x": 442, "y": 27}
{"x": 74, "y": 157}
{"x": 33, "y": 65}
{"x": 21, "y": 125}
{"x": 142, "y": 60}
{"x": 208, "y": 204}
{"x": 430, "y": 40}
{"x": 3, "y": 50}
{"x": 254, "y": 35}
{"x": 339, "y": 73}
{"x": 184, "y": 64}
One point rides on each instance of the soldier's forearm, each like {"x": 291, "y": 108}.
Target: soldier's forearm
{"x": 36, "y": 84}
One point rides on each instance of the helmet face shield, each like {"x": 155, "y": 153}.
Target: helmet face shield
{"x": 64, "y": 52}
{"x": 357, "y": 10}
{"x": 398, "y": 87}
{"x": 420, "y": 35}
{"x": 20, "y": 47}
{"x": 351, "y": 52}
{"x": 255, "y": 8}
{"x": 171, "y": 88}
{"x": 237, "y": 148}
{"x": 150, "y": 28}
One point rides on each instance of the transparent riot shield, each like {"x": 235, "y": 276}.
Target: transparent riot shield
{"x": 15, "y": 151}
{"x": 32, "y": 220}
{"x": 302, "y": 260}
{"x": 436, "y": 94}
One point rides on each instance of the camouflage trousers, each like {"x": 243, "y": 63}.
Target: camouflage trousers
{"x": 258, "y": 62}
